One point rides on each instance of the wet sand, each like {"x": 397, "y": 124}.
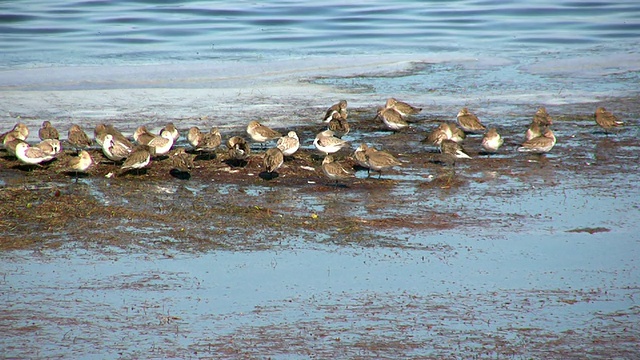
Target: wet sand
{"x": 503, "y": 256}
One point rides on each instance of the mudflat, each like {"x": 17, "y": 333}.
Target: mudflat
{"x": 507, "y": 255}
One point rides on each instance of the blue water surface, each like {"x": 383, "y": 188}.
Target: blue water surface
{"x": 35, "y": 33}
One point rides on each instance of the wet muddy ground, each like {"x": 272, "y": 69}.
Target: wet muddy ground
{"x": 503, "y": 256}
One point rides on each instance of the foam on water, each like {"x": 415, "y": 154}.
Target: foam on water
{"x": 94, "y": 61}
{"x": 272, "y": 90}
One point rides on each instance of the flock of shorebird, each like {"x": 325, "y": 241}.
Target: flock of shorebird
{"x": 539, "y": 138}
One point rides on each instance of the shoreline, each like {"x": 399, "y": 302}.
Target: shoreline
{"x": 578, "y": 145}
{"x": 297, "y": 91}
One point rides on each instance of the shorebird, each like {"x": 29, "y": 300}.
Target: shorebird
{"x": 78, "y": 138}
{"x": 143, "y": 136}
{"x": 20, "y": 131}
{"x": 261, "y": 133}
{"x": 533, "y": 131}
{"x": 273, "y": 159}
{"x": 114, "y": 150}
{"x": 541, "y": 121}
{"x": 435, "y": 137}
{"x": 289, "y": 144}
{"x": 469, "y": 122}
{"x": 204, "y": 142}
{"x": 540, "y": 144}
{"x": 457, "y": 134}
{"x": 391, "y": 118}
{"x": 492, "y": 141}
{"x": 181, "y": 161}
{"x": 333, "y": 170}
{"x": 102, "y": 130}
{"x": 210, "y": 141}
{"x": 238, "y": 148}
{"x": 542, "y": 117}
{"x": 327, "y": 143}
{"x": 23, "y": 131}
{"x": 379, "y": 160}
{"x": 360, "y": 157}
{"x": 339, "y": 108}
{"x": 161, "y": 144}
{"x": 338, "y": 125}
{"x": 175, "y": 134}
{"x": 80, "y": 163}
{"x": 49, "y": 146}
{"x": 31, "y": 155}
{"x": 453, "y": 150}
{"x": 194, "y": 136}
{"x": 606, "y": 120}
{"x": 10, "y": 142}
{"x": 139, "y": 158}
{"x": 402, "y": 107}
{"x": 47, "y": 131}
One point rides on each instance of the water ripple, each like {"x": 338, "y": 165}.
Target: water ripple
{"x": 96, "y": 29}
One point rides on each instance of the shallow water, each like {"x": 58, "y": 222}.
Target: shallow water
{"x": 89, "y": 32}
{"x": 286, "y": 303}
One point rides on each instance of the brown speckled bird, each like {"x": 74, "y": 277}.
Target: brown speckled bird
{"x": 391, "y": 118}
{"x": 379, "y": 160}
{"x": 19, "y": 131}
{"x": 540, "y": 144}
{"x": 171, "y": 128}
{"x": 436, "y": 136}
{"x": 238, "y": 148}
{"x": 102, "y": 130}
{"x": 492, "y": 141}
{"x": 334, "y": 170}
{"x": 181, "y": 161}
{"x": 469, "y": 122}
{"x": 606, "y": 120}
{"x": 339, "y": 108}
{"x": 402, "y": 107}
{"x": 273, "y": 159}
{"x": 47, "y": 131}
{"x": 261, "y": 133}
{"x": 78, "y": 138}
{"x": 339, "y": 125}
{"x": 139, "y": 158}
{"x": 542, "y": 117}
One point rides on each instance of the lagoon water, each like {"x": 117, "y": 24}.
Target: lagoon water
{"x": 45, "y": 33}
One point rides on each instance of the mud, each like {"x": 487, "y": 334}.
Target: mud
{"x": 509, "y": 208}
